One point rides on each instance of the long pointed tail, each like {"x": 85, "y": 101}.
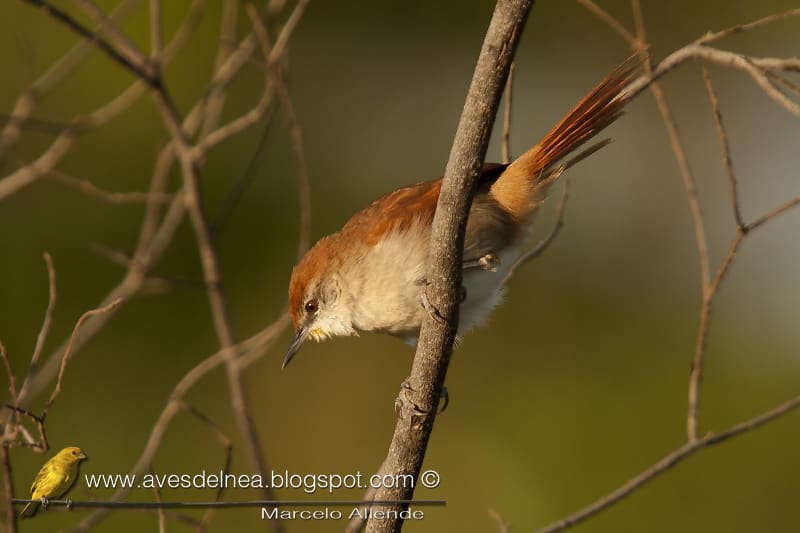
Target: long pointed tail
{"x": 520, "y": 187}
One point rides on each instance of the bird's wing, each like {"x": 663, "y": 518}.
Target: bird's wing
{"x": 399, "y": 209}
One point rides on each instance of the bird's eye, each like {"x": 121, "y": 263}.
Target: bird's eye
{"x": 312, "y": 306}
{"x": 74, "y": 452}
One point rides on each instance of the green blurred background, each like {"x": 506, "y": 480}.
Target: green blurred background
{"x": 576, "y": 384}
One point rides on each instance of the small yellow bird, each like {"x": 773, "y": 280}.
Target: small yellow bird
{"x": 55, "y": 478}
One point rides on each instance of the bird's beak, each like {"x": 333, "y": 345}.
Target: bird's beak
{"x": 300, "y": 335}
{"x": 82, "y": 456}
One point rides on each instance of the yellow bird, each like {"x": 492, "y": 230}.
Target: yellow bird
{"x": 55, "y": 478}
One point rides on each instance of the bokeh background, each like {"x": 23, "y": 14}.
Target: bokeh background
{"x": 576, "y": 384}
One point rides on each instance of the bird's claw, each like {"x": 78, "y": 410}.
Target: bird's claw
{"x": 429, "y": 307}
{"x": 403, "y": 403}
{"x": 444, "y": 399}
{"x": 69, "y": 504}
{"x": 489, "y": 262}
{"x": 45, "y": 503}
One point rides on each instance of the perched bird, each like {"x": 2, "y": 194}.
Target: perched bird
{"x": 370, "y": 275}
{"x": 55, "y": 478}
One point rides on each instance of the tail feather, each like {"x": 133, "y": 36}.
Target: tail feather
{"x": 29, "y": 510}
{"x": 516, "y": 189}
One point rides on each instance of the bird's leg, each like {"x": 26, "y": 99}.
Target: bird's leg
{"x": 45, "y": 503}
{"x": 489, "y": 262}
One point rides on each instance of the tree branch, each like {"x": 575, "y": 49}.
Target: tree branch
{"x": 420, "y": 394}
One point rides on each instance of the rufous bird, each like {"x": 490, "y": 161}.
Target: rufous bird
{"x": 370, "y": 275}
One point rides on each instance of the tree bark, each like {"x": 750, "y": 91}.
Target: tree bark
{"x": 419, "y": 396}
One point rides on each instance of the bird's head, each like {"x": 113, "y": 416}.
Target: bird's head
{"x": 71, "y": 454}
{"x": 315, "y": 298}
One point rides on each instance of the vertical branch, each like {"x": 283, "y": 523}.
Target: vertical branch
{"x": 733, "y": 184}
{"x": 697, "y": 218}
{"x": 420, "y": 394}
{"x": 8, "y": 487}
{"x": 156, "y": 33}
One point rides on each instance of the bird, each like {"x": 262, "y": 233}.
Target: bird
{"x": 370, "y": 275}
{"x": 55, "y": 478}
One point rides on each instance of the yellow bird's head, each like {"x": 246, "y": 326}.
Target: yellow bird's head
{"x": 70, "y": 454}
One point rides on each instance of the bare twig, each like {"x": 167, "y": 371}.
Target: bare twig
{"x": 726, "y": 149}
{"x": 503, "y": 525}
{"x": 119, "y": 198}
{"x": 156, "y": 33}
{"x": 57, "y": 389}
{"x": 130, "y": 58}
{"x": 507, "y": 116}
{"x": 250, "y": 349}
{"x": 156, "y": 233}
{"x": 26, "y": 103}
{"x": 420, "y": 396}
{"x": 689, "y": 185}
{"x": 612, "y": 22}
{"x": 12, "y": 380}
{"x": 48, "y": 320}
{"x": 217, "y": 94}
{"x": 48, "y": 160}
{"x": 8, "y": 486}
{"x": 160, "y": 511}
{"x": 254, "y": 115}
{"x": 667, "y": 462}
{"x": 227, "y": 446}
{"x": 739, "y": 28}
{"x": 794, "y": 202}
{"x": 545, "y": 243}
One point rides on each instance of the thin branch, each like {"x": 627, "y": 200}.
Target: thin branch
{"x": 726, "y": 149}
{"x": 507, "y": 115}
{"x": 739, "y": 28}
{"x": 217, "y": 94}
{"x": 155, "y": 234}
{"x": 254, "y": 115}
{"x": 503, "y": 525}
{"x": 8, "y": 486}
{"x": 690, "y": 187}
{"x": 67, "y": 135}
{"x": 12, "y": 380}
{"x": 667, "y": 462}
{"x": 419, "y": 397}
{"x": 156, "y": 32}
{"x": 227, "y": 446}
{"x": 612, "y": 22}
{"x": 124, "y": 49}
{"x": 160, "y": 511}
{"x": 130, "y": 62}
{"x": 57, "y": 390}
{"x": 545, "y": 243}
{"x": 61, "y": 68}
{"x": 250, "y": 349}
{"x": 794, "y": 202}
{"x": 48, "y": 320}
{"x": 118, "y": 198}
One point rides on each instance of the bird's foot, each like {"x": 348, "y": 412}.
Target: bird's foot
{"x": 429, "y": 307}
{"x": 69, "y": 504}
{"x": 403, "y": 403}
{"x": 489, "y": 262}
{"x": 45, "y": 503}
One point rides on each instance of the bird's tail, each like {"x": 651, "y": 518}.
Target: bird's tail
{"x": 29, "y": 510}
{"x": 522, "y": 184}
